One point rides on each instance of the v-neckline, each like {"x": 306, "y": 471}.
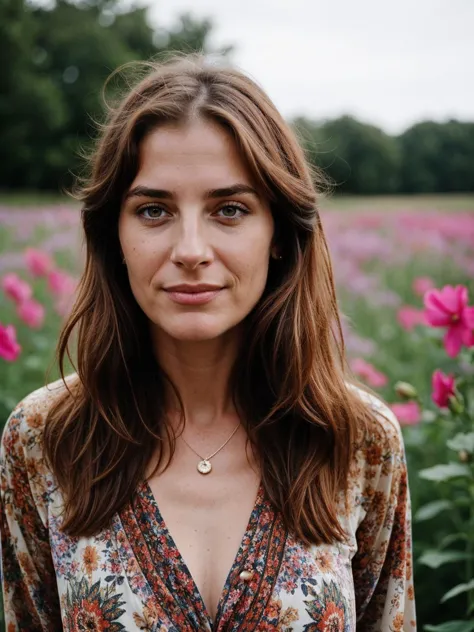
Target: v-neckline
{"x": 244, "y": 544}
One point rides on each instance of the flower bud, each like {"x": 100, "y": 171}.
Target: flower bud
{"x": 455, "y": 404}
{"x": 406, "y": 390}
{"x": 464, "y": 456}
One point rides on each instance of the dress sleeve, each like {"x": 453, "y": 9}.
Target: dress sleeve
{"x": 382, "y": 566}
{"x": 31, "y": 602}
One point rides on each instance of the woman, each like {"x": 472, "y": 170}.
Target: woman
{"x": 211, "y": 465}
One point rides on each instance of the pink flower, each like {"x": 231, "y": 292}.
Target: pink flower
{"x": 368, "y": 372}
{"x": 421, "y": 285}
{"x": 407, "y": 413}
{"x": 409, "y": 317}
{"x": 15, "y": 288}
{"x": 63, "y": 305}
{"x": 61, "y": 282}
{"x": 32, "y": 313}
{"x": 448, "y": 308}
{"x": 9, "y": 348}
{"x": 443, "y": 388}
{"x": 39, "y": 263}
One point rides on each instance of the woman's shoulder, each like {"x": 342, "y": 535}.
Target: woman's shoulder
{"x": 382, "y": 434}
{"x": 27, "y": 486}
{"x": 21, "y": 435}
{"x": 378, "y": 466}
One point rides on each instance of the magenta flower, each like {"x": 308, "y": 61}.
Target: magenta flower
{"x": 421, "y": 285}
{"x": 61, "y": 283}
{"x": 443, "y": 388}
{"x": 409, "y": 317}
{"x": 31, "y": 312}
{"x": 15, "y": 288}
{"x": 448, "y": 308}
{"x": 39, "y": 263}
{"x": 9, "y": 348}
{"x": 368, "y": 372}
{"x": 407, "y": 413}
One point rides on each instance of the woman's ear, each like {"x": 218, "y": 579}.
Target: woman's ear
{"x": 275, "y": 253}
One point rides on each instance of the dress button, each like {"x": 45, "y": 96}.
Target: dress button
{"x": 246, "y": 575}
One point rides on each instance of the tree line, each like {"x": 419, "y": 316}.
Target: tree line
{"x": 54, "y": 64}
{"x": 428, "y": 157}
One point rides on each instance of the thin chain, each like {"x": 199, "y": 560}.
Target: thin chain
{"x": 214, "y": 454}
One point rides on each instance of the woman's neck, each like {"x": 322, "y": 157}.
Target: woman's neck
{"x": 201, "y": 373}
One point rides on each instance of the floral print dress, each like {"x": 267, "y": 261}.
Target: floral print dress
{"x": 132, "y": 577}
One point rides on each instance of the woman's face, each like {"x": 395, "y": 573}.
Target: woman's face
{"x": 195, "y": 233}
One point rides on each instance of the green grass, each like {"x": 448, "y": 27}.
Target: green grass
{"x": 439, "y": 201}
{"x": 34, "y": 198}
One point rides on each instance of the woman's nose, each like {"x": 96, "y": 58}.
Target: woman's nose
{"x": 191, "y": 247}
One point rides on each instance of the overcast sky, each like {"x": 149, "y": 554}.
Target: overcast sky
{"x": 388, "y": 63}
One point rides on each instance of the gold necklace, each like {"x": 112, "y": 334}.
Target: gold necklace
{"x": 204, "y": 466}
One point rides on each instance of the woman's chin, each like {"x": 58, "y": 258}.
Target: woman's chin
{"x": 195, "y": 329}
{"x": 194, "y": 335}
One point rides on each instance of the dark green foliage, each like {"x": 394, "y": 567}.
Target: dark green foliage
{"x": 359, "y": 158}
{"x": 54, "y": 64}
{"x": 438, "y": 157}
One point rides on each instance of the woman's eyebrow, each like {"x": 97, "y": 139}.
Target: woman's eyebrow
{"x": 160, "y": 194}
{"x": 235, "y": 189}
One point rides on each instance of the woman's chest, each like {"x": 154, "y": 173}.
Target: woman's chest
{"x": 135, "y": 576}
{"x": 207, "y": 523}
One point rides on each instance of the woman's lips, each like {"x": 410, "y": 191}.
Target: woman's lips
{"x": 193, "y": 298}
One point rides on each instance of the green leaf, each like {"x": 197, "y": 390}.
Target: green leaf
{"x": 463, "y": 501}
{"x": 451, "y": 626}
{"x": 8, "y": 402}
{"x": 457, "y": 590}
{"x": 452, "y": 537}
{"x": 41, "y": 342}
{"x": 462, "y": 441}
{"x": 431, "y": 510}
{"x": 434, "y": 558}
{"x": 445, "y": 472}
{"x": 428, "y": 415}
{"x": 33, "y": 362}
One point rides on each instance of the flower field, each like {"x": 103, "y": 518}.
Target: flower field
{"x": 405, "y": 280}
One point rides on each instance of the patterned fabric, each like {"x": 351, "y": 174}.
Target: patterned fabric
{"x": 132, "y": 577}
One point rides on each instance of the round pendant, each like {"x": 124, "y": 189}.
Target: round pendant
{"x": 204, "y": 467}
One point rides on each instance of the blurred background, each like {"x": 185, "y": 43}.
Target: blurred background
{"x": 381, "y": 97}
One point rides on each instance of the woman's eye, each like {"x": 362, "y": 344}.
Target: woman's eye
{"x": 151, "y": 212}
{"x": 232, "y": 211}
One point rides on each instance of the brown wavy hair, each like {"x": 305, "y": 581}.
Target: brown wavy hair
{"x": 291, "y": 381}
